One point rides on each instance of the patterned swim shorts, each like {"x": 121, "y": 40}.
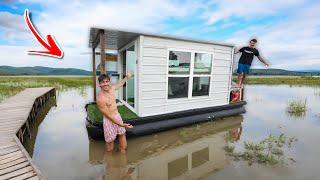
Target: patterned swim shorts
{"x": 111, "y": 130}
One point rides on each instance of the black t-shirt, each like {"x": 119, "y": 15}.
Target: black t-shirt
{"x": 247, "y": 55}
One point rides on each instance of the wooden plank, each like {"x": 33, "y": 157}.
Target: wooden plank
{"x": 10, "y": 155}
{"x": 35, "y": 168}
{"x": 14, "y": 168}
{"x": 7, "y": 145}
{"x": 14, "y": 162}
{"x": 16, "y": 173}
{"x": 9, "y": 150}
{"x": 26, "y": 175}
{"x": 33, "y": 178}
{"x": 4, "y": 161}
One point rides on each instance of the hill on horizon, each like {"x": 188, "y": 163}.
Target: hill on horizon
{"x": 40, "y": 70}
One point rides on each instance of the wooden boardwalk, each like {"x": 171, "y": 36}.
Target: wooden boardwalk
{"x": 16, "y": 115}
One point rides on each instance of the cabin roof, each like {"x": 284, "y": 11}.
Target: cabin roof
{"x": 116, "y": 39}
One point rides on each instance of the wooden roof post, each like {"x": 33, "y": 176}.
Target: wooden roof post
{"x": 102, "y": 52}
{"x": 94, "y": 72}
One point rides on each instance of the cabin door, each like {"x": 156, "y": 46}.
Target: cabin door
{"x": 129, "y": 58}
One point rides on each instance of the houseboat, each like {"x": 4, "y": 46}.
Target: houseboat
{"x": 177, "y": 81}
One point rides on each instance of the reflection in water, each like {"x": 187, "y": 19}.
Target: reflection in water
{"x": 62, "y": 149}
{"x": 170, "y": 154}
{"x": 29, "y": 143}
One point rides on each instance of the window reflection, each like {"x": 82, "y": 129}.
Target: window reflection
{"x": 179, "y": 62}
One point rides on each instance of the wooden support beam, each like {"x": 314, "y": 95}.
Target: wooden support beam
{"x": 102, "y": 51}
{"x": 96, "y": 39}
{"x": 94, "y": 72}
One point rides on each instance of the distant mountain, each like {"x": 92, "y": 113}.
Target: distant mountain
{"x": 40, "y": 70}
{"x": 283, "y": 72}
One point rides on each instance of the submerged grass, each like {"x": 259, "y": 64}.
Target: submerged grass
{"x": 11, "y": 85}
{"x": 269, "y": 151}
{"x": 297, "y": 107}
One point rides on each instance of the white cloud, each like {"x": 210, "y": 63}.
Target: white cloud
{"x": 247, "y": 9}
{"x": 70, "y": 23}
{"x": 294, "y": 43}
{"x": 12, "y": 21}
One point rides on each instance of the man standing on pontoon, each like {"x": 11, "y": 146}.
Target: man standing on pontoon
{"x": 113, "y": 125}
{"x": 245, "y": 60}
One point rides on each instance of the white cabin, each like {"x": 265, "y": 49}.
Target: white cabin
{"x": 170, "y": 73}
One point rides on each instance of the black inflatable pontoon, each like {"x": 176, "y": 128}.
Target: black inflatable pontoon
{"x": 157, "y": 123}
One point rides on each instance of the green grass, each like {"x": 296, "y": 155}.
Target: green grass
{"x": 11, "y": 85}
{"x": 270, "y": 151}
{"x": 290, "y": 80}
{"x": 297, "y": 107}
{"x": 96, "y": 117}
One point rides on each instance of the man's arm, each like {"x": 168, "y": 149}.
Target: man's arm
{"x": 263, "y": 61}
{"x": 122, "y": 81}
{"x": 105, "y": 111}
{"x": 238, "y": 50}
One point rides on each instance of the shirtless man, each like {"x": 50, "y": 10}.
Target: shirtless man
{"x": 113, "y": 125}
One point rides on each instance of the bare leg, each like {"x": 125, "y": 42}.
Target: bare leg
{"x": 109, "y": 146}
{"x": 122, "y": 143}
{"x": 240, "y": 80}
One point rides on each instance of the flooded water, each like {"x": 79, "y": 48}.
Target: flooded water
{"x": 62, "y": 149}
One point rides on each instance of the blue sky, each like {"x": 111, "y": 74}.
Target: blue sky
{"x": 288, "y": 31}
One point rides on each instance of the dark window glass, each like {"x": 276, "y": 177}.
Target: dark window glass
{"x": 178, "y": 87}
{"x": 177, "y": 167}
{"x": 201, "y": 86}
{"x": 200, "y": 157}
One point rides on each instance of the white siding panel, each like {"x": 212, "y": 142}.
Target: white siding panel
{"x": 223, "y": 51}
{"x": 220, "y": 95}
{"x": 153, "y": 86}
{"x": 154, "y": 94}
{"x": 149, "y": 60}
{"x": 154, "y": 52}
{"x": 153, "y": 77}
{"x": 219, "y": 89}
{"x": 150, "y": 70}
{"x": 220, "y": 84}
{"x": 152, "y": 102}
{"x": 219, "y": 77}
{"x": 162, "y": 42}
{"x": 217, "y": 62}
{"x": 148, "y": 111}
{"x": 222, "y": 56}
{"x": 221, "y": 70}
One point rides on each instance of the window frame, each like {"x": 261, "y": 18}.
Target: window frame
{"x": 191, "y": 74}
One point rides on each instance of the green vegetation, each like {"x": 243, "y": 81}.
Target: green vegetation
{"x": 95, "y": 115}
{"x": 270, "y": 151}
{"x": 10, "y": 85}
{"x": 297, "y": 107}
{"x": 290, "y": 80}
{"x": 282, "y": 72}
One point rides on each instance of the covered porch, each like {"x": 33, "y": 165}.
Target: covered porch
{"x": 115, "y": 52}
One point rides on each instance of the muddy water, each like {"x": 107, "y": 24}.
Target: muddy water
{"x": 62, "y": 149}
